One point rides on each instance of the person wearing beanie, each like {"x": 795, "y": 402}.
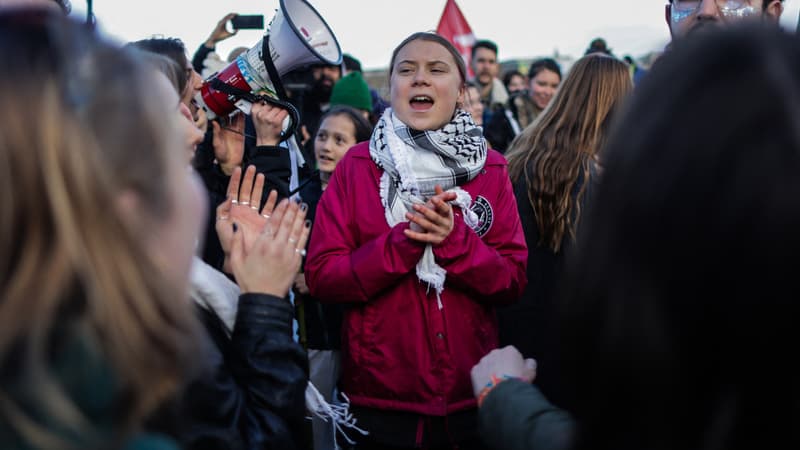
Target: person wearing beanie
{"x": 352, "y": 90}
{"x": 351, "y": 64}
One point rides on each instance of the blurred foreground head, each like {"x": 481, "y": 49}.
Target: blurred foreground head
{"x": 681, "y": 309}
{"x": 61, "y": 5}
{"x": 94, "y": 242}
{"x": 689, "y": 16}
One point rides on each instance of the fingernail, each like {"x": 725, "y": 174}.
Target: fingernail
{"x": 303, "y": 207}
{"x": 307, "y": 224}
{"x": 297, "y": 200}
{"x": 235, "y": 227}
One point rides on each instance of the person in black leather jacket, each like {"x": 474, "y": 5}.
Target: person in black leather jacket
{"x": 250, "y": 390}
{"x": 250, "y": 393}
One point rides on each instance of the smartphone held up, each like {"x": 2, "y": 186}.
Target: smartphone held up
{"x": 248, "y": 22}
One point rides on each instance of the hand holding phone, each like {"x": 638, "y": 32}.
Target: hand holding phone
{"x": 220, "y": 32}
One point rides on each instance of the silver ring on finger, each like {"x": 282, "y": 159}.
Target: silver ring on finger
{"x": 244, "y": 203}
{"x": 301, "y": 252}
{"x": 235, "y": 202}
{"x": 266, "y": 216}
{"x": 292, "y": 241}
{"x": 254, "y": 207}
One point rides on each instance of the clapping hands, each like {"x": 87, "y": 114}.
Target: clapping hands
{"x": 263, "y": 248}
{"x": 432, "y": 223}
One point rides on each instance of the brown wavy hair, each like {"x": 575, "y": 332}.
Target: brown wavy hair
{"x": 81, "y": 127}
{"x": 557, "y": 150}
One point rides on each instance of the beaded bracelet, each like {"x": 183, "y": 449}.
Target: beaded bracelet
{"x": 494, "y": 380}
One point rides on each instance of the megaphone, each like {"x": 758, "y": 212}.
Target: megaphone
{"x": 297, "y": 36}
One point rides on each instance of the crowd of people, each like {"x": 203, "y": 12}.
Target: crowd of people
{"x": 596, "y": 258}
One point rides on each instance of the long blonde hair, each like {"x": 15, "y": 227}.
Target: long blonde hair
{"x": 79, "y": 128}
{"x": 557, "y": 150}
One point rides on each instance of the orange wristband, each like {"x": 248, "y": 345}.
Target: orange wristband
{"x": 494, "y": 380}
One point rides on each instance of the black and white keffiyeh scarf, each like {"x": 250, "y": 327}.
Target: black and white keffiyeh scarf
{"x": 414, "y": 162}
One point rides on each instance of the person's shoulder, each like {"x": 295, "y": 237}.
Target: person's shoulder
{"x": 499, "y": 90}
{"x": 359, "y": 151}
{"x": 357, "y": 159}
{"x": 495, "y": 159}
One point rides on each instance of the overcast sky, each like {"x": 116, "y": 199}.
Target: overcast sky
{"x": 370, "y": 29}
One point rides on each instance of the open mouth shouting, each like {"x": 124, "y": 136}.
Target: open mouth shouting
{"x": 421, "y": 103}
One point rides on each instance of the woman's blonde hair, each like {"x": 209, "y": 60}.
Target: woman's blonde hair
{"x": 557, "y": 150}
{"x": 80, "y": 127}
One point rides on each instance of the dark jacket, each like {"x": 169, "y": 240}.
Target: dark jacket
{"x": 323, "y": 322}
{"x": 251, "y": 393}
{"x": 516, "y": 416}
{"x": 199, "y": 56}
{"x": 272, "y": 161}
{"x": 499, "y": 130}
{"x": 528, "y": 324}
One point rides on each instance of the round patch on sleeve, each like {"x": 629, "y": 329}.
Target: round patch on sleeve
{"x": 483, "y": 209}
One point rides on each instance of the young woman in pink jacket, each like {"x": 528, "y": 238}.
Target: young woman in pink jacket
{"x": 418, "y": 234}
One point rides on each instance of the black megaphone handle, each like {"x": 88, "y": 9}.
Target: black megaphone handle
{"x": 235, "y": 92}
{"x": 277, "y": 83}
{"x": 294, "y": 115}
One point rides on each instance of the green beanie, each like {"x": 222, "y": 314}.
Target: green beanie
{"x": 352, "y": 90}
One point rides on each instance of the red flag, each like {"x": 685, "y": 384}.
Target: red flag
{"x": 454, "y": 27}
